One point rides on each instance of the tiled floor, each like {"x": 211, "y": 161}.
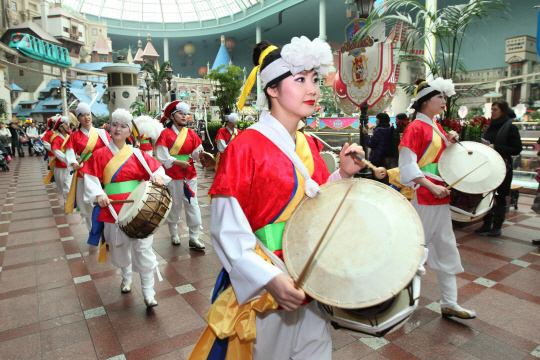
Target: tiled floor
{"x": 57, "y": 302}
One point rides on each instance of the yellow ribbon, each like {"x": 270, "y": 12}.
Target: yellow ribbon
{"x": 429, "y": 156}
{"x": 102, "y": 254}
{"x": 179, "y": 142}
{"x": 252, "y": 78}
{"x": 115, "y": 163}
{"x": 416, "y": 90}
{"x": 227, "y": 320}
{"x": 90, "y": 145}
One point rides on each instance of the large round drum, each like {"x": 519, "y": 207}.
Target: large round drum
{"x": 371, "y": 251}
{"x": 455, "y": 162}
{"x": 332, "y": 160}
{"x": 147, "y": 213}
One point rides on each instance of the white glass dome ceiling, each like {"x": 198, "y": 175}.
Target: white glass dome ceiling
{"x": 161, "y": 11}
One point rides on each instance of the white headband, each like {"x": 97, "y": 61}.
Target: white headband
{"x": 439, "y": 85}
{"x": 122, "y": 116}
{"x": 232, "y": 118}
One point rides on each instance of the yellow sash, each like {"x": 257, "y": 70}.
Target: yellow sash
{"x": 52, "y": 163}
{"x": 90, "y": 145}
{"x": 179, "y": 142}
{"x": 225, "y": 318}
{"x": 218, "y": 155}
{"x": 429, "y": 156}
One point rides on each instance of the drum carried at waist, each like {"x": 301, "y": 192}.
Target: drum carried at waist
{"x": 363, "y": 272}
{"x": 149, "y": 210}
{"x": 331, "y": 160}
{"x": 472, "y": 197}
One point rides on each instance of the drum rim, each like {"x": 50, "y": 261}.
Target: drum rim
{"x": 123, "y": 219}
{"x": 407, "y": 278}
{"x": 458, "y": 186}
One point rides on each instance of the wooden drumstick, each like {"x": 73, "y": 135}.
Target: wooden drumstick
{"x": 310, "y": 260}
{"x": 379, "y": 172}
{"x": 82, "y": 157}
{"x": 118, "y": 202}
{"x": 463, "y": 177}
{"x": 468, "y": 151}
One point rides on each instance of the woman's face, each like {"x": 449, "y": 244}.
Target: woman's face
{"x": 120, "y": 131}
{"x": 85, "y": 119}
{"x": 298, "y": 94}
{"x": 65, "y": 127}
{"x": 180, "y": 119}
{"x": 495, "y": 112}
{"x": 435, "y": 105}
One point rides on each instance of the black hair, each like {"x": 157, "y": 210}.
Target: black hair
{"x": 271, "y": 57}
{"x": 401, "y": 116}
{"x": 383, "y": 118}
{"x": 417, "y": 105}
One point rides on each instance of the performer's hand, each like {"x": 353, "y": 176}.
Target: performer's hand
{"x": 158, "y": 180}
{"x": 103, "y": 201}
{"x": 350, "y": 165}
{"x": 183, "y": 164}
{"x": 440, "y": 192}
{"x": 452, "y": 136}
{"x": 75, "y": 166}
{"x": 283, "y": 291}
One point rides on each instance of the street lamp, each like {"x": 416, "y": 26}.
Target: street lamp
{"x": 148, "y": 80}
{"x": 168, "y": 75}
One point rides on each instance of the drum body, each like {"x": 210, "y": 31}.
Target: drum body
{"x": 470, "y": 207}
{"x": 208, "y": 159}
{"x": 143, "y": 217}
{"x": 332, "y": 161}
{"x": 370, "y": 253}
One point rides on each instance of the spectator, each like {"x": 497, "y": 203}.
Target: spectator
{"x": 5, "y": 137}
{"x": 31, "y": 134}
{"x": 503, "y": 136}
{"x": 380, "y": 143}
{"x": 16, "y": 145}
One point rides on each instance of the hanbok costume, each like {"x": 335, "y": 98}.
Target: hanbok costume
{"x": 422, "y": 144}
{"x": 58, "y": 164}
{"x": 184, "y": 145}
{"x": 224, "y": 136}
{"x": 121, "y": 171}
{"x": 264, "y": 174}
{"x": 83, "y": 143}
{"x": 46, "y": 139}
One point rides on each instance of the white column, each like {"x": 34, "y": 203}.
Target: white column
{"x": 165, "y": 49}
{"x": 322, "y": 20}
{"x": 258, "y": 39}
{"x": 63, "y": 91}
{"x": 525, "y": 86}
{"x": 430, "y": 45}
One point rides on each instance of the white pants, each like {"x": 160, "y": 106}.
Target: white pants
{"x": 62, "y": 177}
{"x": 193, "y": 212}
{"x": 297, "y": 335}
{"x": 443, "y": 254}
{"x": 84, "y": 207}
{"x": 133, "y": 255}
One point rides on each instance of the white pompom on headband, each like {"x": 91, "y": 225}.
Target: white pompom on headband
{"x": 82, "y": 109}
{"x": 439, "y": 85}
{"x": 122, "y": 116}
{"x": 232, "y": 118}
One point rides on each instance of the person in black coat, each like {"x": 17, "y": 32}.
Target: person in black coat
{"x": 380, "y": 143}
{"x": 504, "y": 137}
{"x": 15, "y": 142}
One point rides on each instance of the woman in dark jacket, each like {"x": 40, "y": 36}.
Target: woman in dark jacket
{"x": 504, "y": 137}
{"x": 380, "y": 143}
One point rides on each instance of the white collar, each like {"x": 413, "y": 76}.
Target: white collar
{"x": 62, "y": 136}
{"x": 176, "y": 131}
{"x": 424, "y": 118}
{"x": 267, "y": 118}
{"x": 85, "y": 132}
{"x": 114, "y": 149}
{"x": 230, "y": 131}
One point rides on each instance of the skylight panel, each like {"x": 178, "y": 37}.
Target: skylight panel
{"x": 111, "y": 13}
{"x": 132, "y": 6}
{"x": 217, "y": 3}
{"x": 184, "y": 1}
{"x": 152, "y": 17}
{"x": 189, "y": 16}
{"x": 203, "y": 5}
{"x": 168, "y": 9}
{"x": 206, "y": 15}
{"x": 246, "y": 2}
{"x": 234, "y": 6}
{"x": 170, "y": 17}
{"x": 71, "y": 3}
{"x": 93, "y": 2}
{"x": 131, "y": 15}
{"x": 187, "y": 8}
{"x": 253, "y": 2}
{"x": 113, "y": 4}
{"x": 168, "y": 2}
{"x": 222, "y": 12}
{"x": 90, "y": 9}
{"x": 150, "y": 8}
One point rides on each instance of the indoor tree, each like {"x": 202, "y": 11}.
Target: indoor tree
{"x": 448, "y": 26}
{"x": 157, "y": 76}
{"x": 227, "y": 89}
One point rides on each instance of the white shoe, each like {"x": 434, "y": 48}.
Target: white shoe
{"x": 125, "y": 288}
{"x": 196, "y": 244}
{"x": 150, "y": 302}
{"x": 458, "y": 311}
{"x": 175, "y": 240}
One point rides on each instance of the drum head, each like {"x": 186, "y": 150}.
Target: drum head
{"x": 371, "y": 251}
{"x": 455, "y": 162}
{"x": 130, "y": 210}
{"x": 332, "y": 161}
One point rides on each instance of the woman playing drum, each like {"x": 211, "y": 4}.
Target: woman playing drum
{"x": 121, "y": 168}
{"x": 262, "y": 177}
{"x": 421, "y": 146}
{"x": 175, "y": 148}
{"x": 83, "y": 143}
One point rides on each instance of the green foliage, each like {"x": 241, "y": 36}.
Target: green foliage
{"x": 228, "y": 87}
{"x": 208, "y": 116}
{"x": 327, "y": 101}
{"x": 157, "y": 77}
{"x": 243, "y": 125}
{"x": 100, "y": 120}
{"x": 138, "y": 108}
{"x": 213, "y": 128}
{"x": 448, "y": 26}
{"x": 3, "y": 107}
